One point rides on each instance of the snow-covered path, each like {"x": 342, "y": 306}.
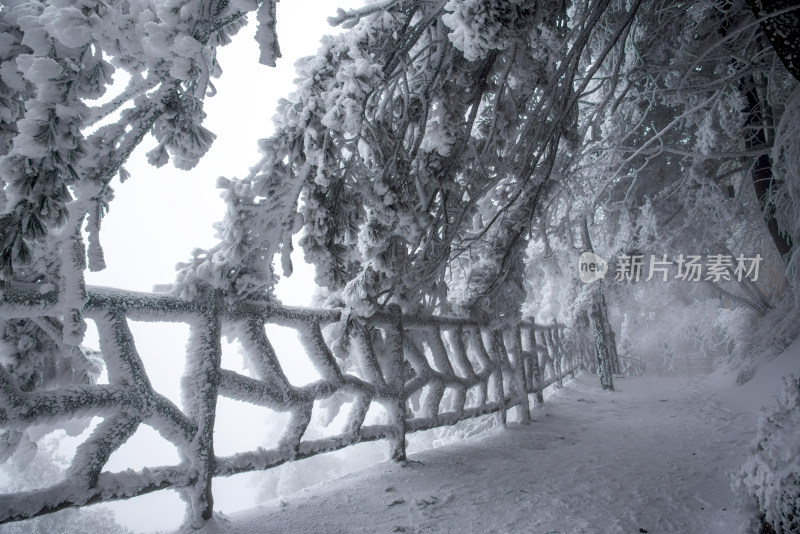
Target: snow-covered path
{"x": 652, "y": 456}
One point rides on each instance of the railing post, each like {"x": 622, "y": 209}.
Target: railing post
{"x": 199, "y": 393}
{"x": 536, "y": 371}
{"x": 518, "y": 369}
{"x": 497, "y": 353}
{"x": 396, "y": 383}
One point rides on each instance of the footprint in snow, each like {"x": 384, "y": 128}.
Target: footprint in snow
{"x": 430, "y": 501}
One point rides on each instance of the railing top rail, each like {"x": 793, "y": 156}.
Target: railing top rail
{"x": 29, "y": 301}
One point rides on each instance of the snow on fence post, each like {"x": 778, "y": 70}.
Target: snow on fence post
{"x": 199, "y": 388}
{"x": 513, "y": 341}
{"x": 496, "y": 351}
{"x": 396, "y": 383}
{"x": 535, "y": 373}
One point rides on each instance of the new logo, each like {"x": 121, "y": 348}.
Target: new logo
{"x": 591, "y": 267}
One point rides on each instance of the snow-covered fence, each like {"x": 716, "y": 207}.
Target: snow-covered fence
{"x": 426, "y": 372}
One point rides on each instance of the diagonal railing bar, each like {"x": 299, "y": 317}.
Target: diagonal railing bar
{"x": 426, "y": 377}
{"x": 548, "y": 361}
{"x": 424, "y": 371}
{"x": 533, "y": 373}
{"x": 93, "y": 453}
{"x": 370, "y": 367}
{"x": 262, "y": 355}
{"x": 489, "y": 374}
{"x": 460, "y": 355}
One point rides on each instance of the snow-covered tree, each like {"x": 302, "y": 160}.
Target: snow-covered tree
{"x": 419, "y": 144}
{"x": 432, "y": 145}
{"x": 64, "y": 138}
{"x": 667, "y": 163}
{"x": 438, "y": 155}
{"x": 47, "y": 465}
{"x": 769, "y": 481}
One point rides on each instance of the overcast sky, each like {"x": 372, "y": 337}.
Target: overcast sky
{"x": 160, "y": 215}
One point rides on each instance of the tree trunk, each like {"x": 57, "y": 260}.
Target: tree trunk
{"x": 601, "y": 346}
{"x": 608, "y": 337}
{"x": 764, "y": 183}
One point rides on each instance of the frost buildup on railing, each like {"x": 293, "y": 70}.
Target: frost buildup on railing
{"x": 425, "y": 372}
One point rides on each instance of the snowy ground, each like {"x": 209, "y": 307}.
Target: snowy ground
{"x": 653, "y": 456}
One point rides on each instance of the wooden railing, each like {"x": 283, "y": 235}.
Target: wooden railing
{"x": 426, "y": 372}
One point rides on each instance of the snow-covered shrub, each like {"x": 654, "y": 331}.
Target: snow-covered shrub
{"x": 39, "y": 469}
{"x": 786, "y": 155}
{"x": 770, "y": 478}
{"x": 749, "y": 338}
